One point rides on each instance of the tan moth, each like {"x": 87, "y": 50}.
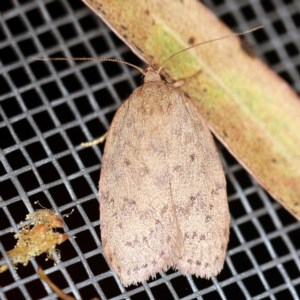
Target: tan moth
{"x": 162, "y": 188}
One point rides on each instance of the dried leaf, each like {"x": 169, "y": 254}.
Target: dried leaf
{"x": 36, "y": 237}
{"x": 249, "y": 108}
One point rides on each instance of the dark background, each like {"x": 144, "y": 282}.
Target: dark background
{"x": 48, "y": 109}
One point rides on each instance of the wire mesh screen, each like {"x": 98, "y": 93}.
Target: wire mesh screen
{"x": 48, "y": 109}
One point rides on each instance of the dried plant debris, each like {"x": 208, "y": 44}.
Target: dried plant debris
{"x": 36, "y": 236}
{"x": 53, "y": 286}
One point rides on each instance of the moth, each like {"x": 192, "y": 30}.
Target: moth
{"x": 162, "y": 188}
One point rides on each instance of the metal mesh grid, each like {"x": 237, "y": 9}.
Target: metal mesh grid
{"x": 47, "y": 109}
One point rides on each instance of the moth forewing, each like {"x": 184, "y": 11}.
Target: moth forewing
{"x": 162, "y": 188}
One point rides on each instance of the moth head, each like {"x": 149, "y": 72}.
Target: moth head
{"x": 151, "y": 74}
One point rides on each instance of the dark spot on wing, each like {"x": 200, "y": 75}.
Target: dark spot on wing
{"x": 177, "y": 168}
{"x": 129, "y": 202}
{"x": 192, "y": 157}
{"x": 105, "y": 196}
{"x": 157, "y": 222}
{"x": 127, "y": 162}
{"x": 129, "y": 123}
{"x": 144, "y": 171}
{"x": 208, "y": 218}
{"x": 164, "y": 209}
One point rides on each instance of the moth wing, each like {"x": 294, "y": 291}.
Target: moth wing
{"x": 199, "y": 192}
{"x": 139, "y": 231}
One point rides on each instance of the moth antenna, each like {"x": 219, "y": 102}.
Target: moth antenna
{"x": 206, "y": 42}
{"x": 89, "y": 59}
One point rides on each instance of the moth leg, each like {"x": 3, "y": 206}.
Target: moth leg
{"x": 94, "y": 142}
{"x": 181, "y": 82}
